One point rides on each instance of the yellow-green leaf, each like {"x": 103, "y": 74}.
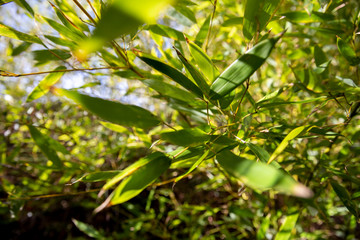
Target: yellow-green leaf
{"x": 115, "y": 112}
{"x": 14, "y": 34}
{"x": 44, "y": 85}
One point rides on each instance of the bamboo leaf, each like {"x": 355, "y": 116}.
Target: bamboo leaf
{"x": 344, "y": 196}
{"x": 139, "y": 180}
{"x": 348, "y": 52}
{"x": 304, "y": 17}
{"x": 204, "y": 29}
{"x": 119, "y": 18}
{"x": 44, "y": 145}
{"x": 26, "y": 6}
{"x": 166, "y": 31}
{"x": 194, "y": 166}
{"x": 242, "y": 68}
{"x": 99, "y": 176}
{"x": 287, "y": 226}
{"x": 261, "y": 176}
{"x": 203, "y": 61}
{"x": 44, "y": 85}
{"x": 293, "y": 134}
{"x": 88, "y": 230}
{"x": 170, "y": 90}
{"x": 257, "y": 14}
{"x": 196, "y": 75}
{"x": 115, "y": 112}
{"x": 174, "y": 74}
{"x": 14, "y": 34}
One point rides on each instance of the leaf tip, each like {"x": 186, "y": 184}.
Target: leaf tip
{"x": 300, "y": 190}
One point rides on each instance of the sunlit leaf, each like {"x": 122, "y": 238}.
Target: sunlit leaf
{"x": 293, "y": 134}
{"x": 99, "y": 176}
{"x": 242, "y": 68}
{"x": 44, "y": 145}
{"x": 141, "y": 178}
{"x": 304, "y": 17}
{"x": 261, "y": 176}
{"x": 204, "y": 62}
{"x": 12, "y": 33}
{"x": 115, "y": 112}
{"x": 44, "y": 85}
{"x": 193, "y": 167}
{"x": 287, "y": 226}
{"x": 257, "y": 14}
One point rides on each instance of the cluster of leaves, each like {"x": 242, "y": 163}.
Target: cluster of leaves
{"x": 253, "y": 106}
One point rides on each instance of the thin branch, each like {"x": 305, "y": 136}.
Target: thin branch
{"x": 9, "y": 74}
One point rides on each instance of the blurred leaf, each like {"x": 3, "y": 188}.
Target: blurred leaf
{"x": 293, "y": 134}
{"x": 170, "y": 90}
{"x": 115, "y": 112}
{"x": 257, "y": 13}
{"x": 204, "y": 29}
{"x": 304, "y": 17}
{"x": 88, "y": 230}
{"x": 344, "y": 196}
{"x": 231, "y": 22}
{"x": 26, "y": 6}
{"x": 44, "y": 146}
{"x": 115, "y": 127}
{"x": 261, "y": 176}
{"x": 44, "y": 85}
{"x": 121, "y": 17}
{"x": 166, "y": 31}
{"x": 287, "y": 226}
{"x": 64, "y": 31}
{"x": 242, "y": 68}
{"x": 348, "y": 52}
{"x": 185, "y": 11}
{"x": 99, "y": 176}
{"x": 44, "y": 56}
{"x": 12, "y": 33}
{"x": 173, "y": 74}
{"x": 21, "y": 48}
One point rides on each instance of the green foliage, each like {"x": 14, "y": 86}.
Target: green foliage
{"x": 185, "y": 120}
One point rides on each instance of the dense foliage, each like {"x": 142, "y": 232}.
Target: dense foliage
{"x": 180, "y": 119}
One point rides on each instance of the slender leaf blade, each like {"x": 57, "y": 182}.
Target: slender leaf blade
{"x": 242, "y": 68}
{"x": 115, "y": 112}
{"x": 14, "y": 34}
{"x": 44, "y": 85}
{"x": 44, "y": 145}
{"x": 287, "y": 226}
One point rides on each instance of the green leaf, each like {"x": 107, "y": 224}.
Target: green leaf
{"x": 231, "y": 22}
{"x": 185, "y": 11}
{"x": 14, "y": 34}
{"x": 44, "y": 145}
{"x": 88, "y": 230}
{"x": 44, "y": 85}
{"x": 166, "y": 31}
{"x": 193, "y": 167}
{"x": 170, "y": 90}
{"x": 44, "y": 56}
{"x": 293, "y": 134}
{"x": 174, "y": 74}
{"x": 261, "y": 153}
{"x": 64, "y": 31}
{"x": 242, "y": 68}
{"x": 115, "y": 127}
{"x": 348, "y": 52}
{"x": 304, "y": 17}
{"x": 196, "y": 75}
{"x": 204, "y": 29}
{"x": 257, "y": 14}
{"x": 99, "y": 176}
{"x": 287, "y": 226}
{"x": 121, "y": 17}
{"x": 261, "y": 176}
{"x": 203, "y": 61}
{"x": 115, "y": 112}
{"x": 140, "y": 179}
{"x": 344, "y": 196}
{"x": 21, "y": 48}
{"x": 26, "y": 6}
